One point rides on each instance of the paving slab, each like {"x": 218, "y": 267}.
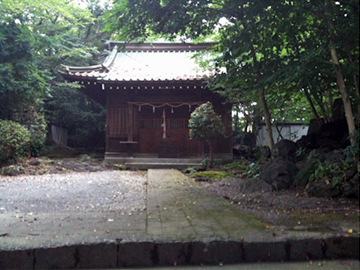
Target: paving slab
{"x": 183, "y": 224}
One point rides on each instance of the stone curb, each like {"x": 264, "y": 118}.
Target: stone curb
{"x": 148, "y": 254}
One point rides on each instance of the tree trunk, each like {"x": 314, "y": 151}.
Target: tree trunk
{"x": 344, "y": 95}
{"x": 355, "y": 82}
{"x": 211, "y": 153}
{"x": 267, "y": 119}
{"x": 312, "y": 106}
{"x": 339, "y": 77}
{"x": 263, "y": 101}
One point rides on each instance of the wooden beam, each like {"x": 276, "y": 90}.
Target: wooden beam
{"x": 130, "y": 123}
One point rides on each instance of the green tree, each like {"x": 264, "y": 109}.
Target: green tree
{"x": 21, "y": 83}
{"x": 276, "y": 48}
{"x": 206, "y": 125}
{"x": 47, "y": 34}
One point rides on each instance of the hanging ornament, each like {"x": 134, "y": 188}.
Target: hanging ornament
{"x": 139, "y": 108}
{"x": 164, "y": 124}
{"x": 189, "y": 108}
{"x": 172, "y": 109}
{"x": 153, "y": 109}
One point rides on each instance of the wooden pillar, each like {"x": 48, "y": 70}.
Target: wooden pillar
{"x": 130, "y": 123}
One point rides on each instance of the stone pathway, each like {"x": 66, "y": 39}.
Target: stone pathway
{"x": 184, "y": 224}
{"x": 181, "y": 209}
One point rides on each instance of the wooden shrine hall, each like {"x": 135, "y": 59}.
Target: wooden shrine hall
{"x": 150, "y": 90}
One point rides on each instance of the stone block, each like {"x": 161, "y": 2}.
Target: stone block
{"x": 16, "y": 259}
{"x": 99, "y": 256}
{"x": 55, "y": 258}
{"x": 341, "y": 248}
{"x": 141, "y": 254}
{"x": 265, "y": 252}
{"x": 172, "y": 254}
{"x": 305, "y": 250}
{"x": 215, "y": 253}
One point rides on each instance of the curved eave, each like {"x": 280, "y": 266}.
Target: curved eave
{"x": 150, "y": 80}
{"x": 104, "y": 66}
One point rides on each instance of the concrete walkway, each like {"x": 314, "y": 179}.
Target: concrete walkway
{"x": 184, "y": 224}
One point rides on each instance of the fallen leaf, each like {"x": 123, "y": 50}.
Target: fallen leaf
{"x": 274, "y": 234}
{"x": 350, "y": 231}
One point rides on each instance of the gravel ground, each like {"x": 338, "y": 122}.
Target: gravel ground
{"x": 96, "y": 192}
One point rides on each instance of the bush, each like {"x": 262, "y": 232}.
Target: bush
{"x": 35, "y": 122}
{"x": 14, "y": 140}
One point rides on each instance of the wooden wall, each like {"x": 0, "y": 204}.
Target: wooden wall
{"x": 147, "y": 122}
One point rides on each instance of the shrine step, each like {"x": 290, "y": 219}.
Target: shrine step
{"x": 136, "y": 163}
{"x": 142, "y": 165}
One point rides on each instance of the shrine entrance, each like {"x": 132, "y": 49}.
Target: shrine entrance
{"x": 164, "y": 129}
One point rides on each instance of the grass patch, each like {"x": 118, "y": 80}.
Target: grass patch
{"x": 319, "y": 218}
{"x": 213, "y": 175}
{"x": 238, "y": 166}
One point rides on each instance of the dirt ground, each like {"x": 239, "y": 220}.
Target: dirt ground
{"x": 291, "y": 207}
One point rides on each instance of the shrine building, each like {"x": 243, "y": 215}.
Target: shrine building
{"x": 150, "y": 90}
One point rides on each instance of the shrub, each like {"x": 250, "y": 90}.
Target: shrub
{"x": 14, "y": 140}
{"x": 35, "y": 122}
{"x": 252, "y": 171}
{"x": 206, "y": 125}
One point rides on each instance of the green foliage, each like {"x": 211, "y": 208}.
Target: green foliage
{"x": 237, "y": 168}
{"x": 14, "y": 140}
{"x": 303, "y": 176}
{"x": 84, "y": 119}
{"x": 36, "y": 124}
{"x": 253, "y": 171}
{"x": 191, "y": 170}
{"x": 282, "y": 47}
{"x": 329, "y": 172}
{"x": 352, "y": 151}
{"x": 38, "y": 134}
{"x": 12, "y": 170}
{"x": 36, "y": 37}
{"x": 21, "y": 84}
{"x": 218, "y": 175}
{"x": 205, "y": 124}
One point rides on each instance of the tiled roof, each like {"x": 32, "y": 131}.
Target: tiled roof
{"x": 144, "y": 64}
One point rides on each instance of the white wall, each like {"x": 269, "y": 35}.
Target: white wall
{"x": 291, "y": 132}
